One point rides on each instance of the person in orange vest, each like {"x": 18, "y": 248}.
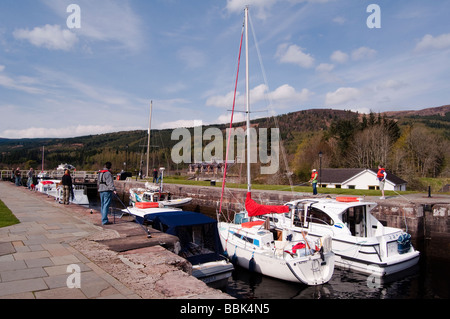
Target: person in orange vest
{"x": 313, "y": 181}
{"x": 381, "y": 177}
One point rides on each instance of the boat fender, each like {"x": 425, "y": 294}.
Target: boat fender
{"x": 289, "y": 237}
{"x": 252, "y": 264}
{"x": 225, "y": 251}
{"x": 234, "y": 259}
{"x": 404, "y": 243}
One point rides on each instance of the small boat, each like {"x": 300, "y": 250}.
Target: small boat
{"x": 153, "y": 194}
{"x": 360, "y": 242}
{"x": 144, "y": 214}
{"x": 63, "y": 167}
{"x": 52, "y": 187}
{"x": 199, "y": 244}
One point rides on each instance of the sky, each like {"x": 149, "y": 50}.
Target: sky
{"x": 93, "y": 68}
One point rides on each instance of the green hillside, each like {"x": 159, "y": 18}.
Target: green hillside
{"x": 411, "y": 144}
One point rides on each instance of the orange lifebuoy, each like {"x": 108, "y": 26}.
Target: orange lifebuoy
{"x": 144, "y": 205}
{"x": 347, "y": 199}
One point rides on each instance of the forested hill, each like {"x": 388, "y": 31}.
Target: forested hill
{"x": 347, "y": 139}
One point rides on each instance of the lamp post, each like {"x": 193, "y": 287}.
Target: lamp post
{"x": 320, "y": 168}
{"x": 126, "y": 157}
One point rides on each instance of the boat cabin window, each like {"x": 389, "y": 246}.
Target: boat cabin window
{"x": 317, "y": 216}
{"x": 240, "y": 218}
{"x": 299, "y": 215}
{"x": 354, "y": 219}
{"x": 314, "y": 215}
{"x": 247, "y": 239}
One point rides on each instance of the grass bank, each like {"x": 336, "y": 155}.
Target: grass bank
{"x": 6, "y": 216}
{"x": 287, "y": 188}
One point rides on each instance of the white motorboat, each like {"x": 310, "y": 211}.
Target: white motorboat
{"x": 52, "y": 187}
{"x": 154, "y": 195}
{"x": 285, "y": 255}
{"x": 360, "y": 242}
{"x": 80, "y": 196}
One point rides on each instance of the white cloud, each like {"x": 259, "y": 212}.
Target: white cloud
{"x": 193, "y": 58}
{"x": 64, "y": 132}
{"x": 391, "y": 85}
{"x": 294, "y": 54}
{"x": 429, "y": 42}
{"x": 176, "y": 124}
{"x": 339, "y": 20}
{"x": 287, "y": 93}
{"x": 226, "y": 118}
{"x": 222, "y": 100}
{"x": 341, "y": 96}
{"x": 363, "y": 53}
{"x": 261, "y": 6}
{"x": 281, "y": 97}
{"x": 339, "y": 57}
{"x": 52, "y": 37}
{"x": 19, "y": 83}
{"x": 325, "y": 67}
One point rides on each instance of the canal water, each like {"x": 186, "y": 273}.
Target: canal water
{"x": 430, "y": 279}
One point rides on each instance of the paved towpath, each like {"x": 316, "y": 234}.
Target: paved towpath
{"x": 36, "y": 253}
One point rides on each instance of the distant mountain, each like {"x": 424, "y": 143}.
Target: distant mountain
{"x": 440, "y": 110}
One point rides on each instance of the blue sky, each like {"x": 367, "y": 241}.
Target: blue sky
{"x": 57, "y": 81}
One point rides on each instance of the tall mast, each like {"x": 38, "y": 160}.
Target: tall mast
{"x": 148, "y": 140}
{"x": 43, "y": 151}
{"x": 247, "y": 96}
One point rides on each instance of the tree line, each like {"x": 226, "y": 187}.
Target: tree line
{"x": 409, "y": 151}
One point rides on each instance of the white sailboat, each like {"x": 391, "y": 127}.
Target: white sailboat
{"x": 282, "y": 254}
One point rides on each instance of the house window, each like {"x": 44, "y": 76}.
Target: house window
{"x": 338, "y": 186}
{"x": 351, "y": 187}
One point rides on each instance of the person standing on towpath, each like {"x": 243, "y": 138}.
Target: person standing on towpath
{"x": 106, "y": 189}
{"x": 313, "y": 181}
{"x": 67, "y": 187}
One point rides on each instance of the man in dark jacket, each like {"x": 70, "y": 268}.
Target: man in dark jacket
{"x": 67, "y": 186}
{"x": 106, "y": 189}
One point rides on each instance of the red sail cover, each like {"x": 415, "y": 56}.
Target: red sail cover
{"x": 255, "y": 209}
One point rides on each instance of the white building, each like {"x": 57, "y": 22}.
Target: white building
{"x": 358, "y": 178}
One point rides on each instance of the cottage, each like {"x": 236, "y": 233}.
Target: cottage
{"x": 358, "y": 178}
